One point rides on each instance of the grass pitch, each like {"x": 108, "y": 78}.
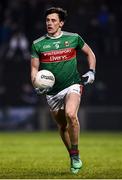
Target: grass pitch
{"x": 43, "y": 156}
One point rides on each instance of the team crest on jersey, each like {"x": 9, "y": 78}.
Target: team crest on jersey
{"x": 66, "y": 43}
{"x": 57, "y": 44}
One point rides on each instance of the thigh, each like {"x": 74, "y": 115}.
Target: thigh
{"x": 72, "y": 102}
{"x": 72, "y": 99}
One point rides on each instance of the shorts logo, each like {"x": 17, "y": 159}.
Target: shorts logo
{"x": 75, "y": 90}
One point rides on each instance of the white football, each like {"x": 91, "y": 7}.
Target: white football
{"x": 44, "y": 79}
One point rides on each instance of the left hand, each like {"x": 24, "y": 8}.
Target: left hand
{"x": 89, "y": 77}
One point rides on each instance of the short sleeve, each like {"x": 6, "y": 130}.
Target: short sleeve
{"x": 81, "y": 42}
{"x": 34, "y": 53}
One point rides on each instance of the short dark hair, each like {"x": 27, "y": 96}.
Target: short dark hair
{"x": 61, "y": 12}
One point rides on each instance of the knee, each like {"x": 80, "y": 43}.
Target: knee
{"x": 71, "y": 115}
{"x": 72, "y": 118}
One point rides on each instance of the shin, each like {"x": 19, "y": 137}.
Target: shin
{"x": 71, "y": 110}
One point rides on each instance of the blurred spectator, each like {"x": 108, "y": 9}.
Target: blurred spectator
{"x": 103, "y": 19}
{"x": 109, "y": 34}
{"x": 18, "y": 42}
{"x": 112, "y": 41}
{"x": 93, "y": 31}
{"x": 5, "y": 34}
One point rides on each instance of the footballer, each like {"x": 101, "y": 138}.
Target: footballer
{"x": 56, "y": 52}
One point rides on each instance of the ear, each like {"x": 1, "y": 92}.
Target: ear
{"x": 61, "y": 24}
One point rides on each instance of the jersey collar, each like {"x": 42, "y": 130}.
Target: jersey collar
{"x": 51, "y": 37}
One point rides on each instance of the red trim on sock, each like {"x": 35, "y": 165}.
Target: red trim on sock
{"x": 73, "y": 152}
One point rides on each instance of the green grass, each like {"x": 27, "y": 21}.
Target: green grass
{"x": 43, "y": 156}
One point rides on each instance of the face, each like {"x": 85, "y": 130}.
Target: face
{"x": 53, "y": 24}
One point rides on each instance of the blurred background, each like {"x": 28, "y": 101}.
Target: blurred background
{"x": 99, "y": 22}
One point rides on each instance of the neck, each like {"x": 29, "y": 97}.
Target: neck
{"x": 56, "y": 34}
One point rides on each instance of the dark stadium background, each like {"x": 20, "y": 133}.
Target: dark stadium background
{"x": 99, "y": 22}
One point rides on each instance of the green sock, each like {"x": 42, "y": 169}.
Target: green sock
{"x": 74, "y": 147}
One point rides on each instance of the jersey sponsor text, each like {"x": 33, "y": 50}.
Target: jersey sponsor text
{"x": 58, "y": 55}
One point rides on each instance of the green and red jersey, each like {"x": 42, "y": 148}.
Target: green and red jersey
{"x": 58, "y": 55}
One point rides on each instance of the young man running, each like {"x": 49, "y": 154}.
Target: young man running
{"x": 56, "y": 52}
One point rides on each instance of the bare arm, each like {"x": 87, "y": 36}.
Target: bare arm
{"x": 89, "y": 77}
{"x": 90, "y": 56}
{"x": 34, "y": 69}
